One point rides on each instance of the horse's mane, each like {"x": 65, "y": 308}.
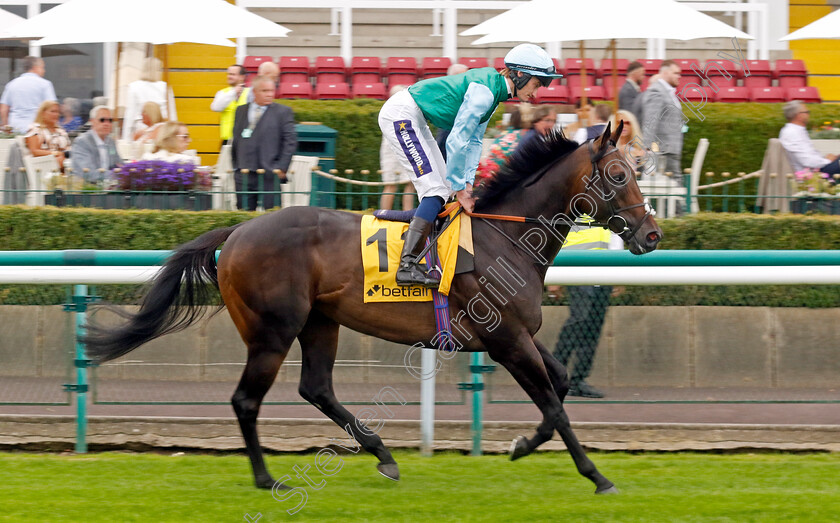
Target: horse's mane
{"x": 530, "y": 159}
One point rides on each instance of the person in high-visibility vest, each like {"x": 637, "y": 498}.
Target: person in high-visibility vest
{"x": 228, "y": 99}
{"x": 587, "y": 311}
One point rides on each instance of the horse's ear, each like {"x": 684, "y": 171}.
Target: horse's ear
{"x": 605, "y": 138}
{"x": 617, "y": 133}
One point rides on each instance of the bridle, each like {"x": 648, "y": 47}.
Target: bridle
{"x": 616, "y": 223}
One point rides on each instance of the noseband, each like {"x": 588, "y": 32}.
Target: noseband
{"x": 616, "y": 223}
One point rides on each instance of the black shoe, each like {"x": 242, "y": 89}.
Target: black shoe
{"x": 585, "y": 390}
{"x": 409, "y": 272}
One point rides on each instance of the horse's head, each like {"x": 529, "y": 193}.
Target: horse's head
{"x": 610, "y": 191}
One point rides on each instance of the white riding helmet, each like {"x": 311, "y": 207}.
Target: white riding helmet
{"x": 533, "y": 61}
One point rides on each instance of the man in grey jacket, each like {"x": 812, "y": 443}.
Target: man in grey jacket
{"x": 95, "y": 149}
{"x": 662, "y": 118}
{"x": 632, "y": 87}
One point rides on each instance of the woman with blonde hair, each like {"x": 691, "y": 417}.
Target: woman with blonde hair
{"x": 152, "y": 120}
{"x": 149, "y": 88}
{"x": 45, "y": 136}
{"x": 631, "y": 140}
{"x": 171, "y": 144}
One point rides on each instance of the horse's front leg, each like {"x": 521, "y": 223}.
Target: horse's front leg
{"x": 522, "y": 446}
{"x": 525, "y": 364}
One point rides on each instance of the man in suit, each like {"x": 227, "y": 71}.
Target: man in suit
{"x": 264, "y": 137}
{"x": 632, "y": 87}
{"x": 95, "y": 149}
{"x": 663, "y": 121}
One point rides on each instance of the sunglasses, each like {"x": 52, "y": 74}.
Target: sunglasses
{"x": 103, "y": 120}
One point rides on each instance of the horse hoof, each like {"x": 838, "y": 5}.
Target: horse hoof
{"x": 519, "y": 448}
{"x": 609, "y": 490}
{"x": 268, "y": 483}
{"x": 389, "y": 470}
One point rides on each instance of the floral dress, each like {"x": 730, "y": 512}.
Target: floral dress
{"x": 56, "y": 140}
{"x": 497, "y": 155}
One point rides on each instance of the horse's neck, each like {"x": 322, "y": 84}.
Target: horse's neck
{"x": 546, "y": 200}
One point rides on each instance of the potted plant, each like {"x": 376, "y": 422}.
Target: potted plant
{"x": 814, "y": 191}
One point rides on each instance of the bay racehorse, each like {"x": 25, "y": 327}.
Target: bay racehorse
{"x": 297, "y": 273}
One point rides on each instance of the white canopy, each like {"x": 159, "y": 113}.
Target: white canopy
{"x": 147, "y": 21}
{"x": 564, "y": 20}
{"x": 826, "y": 27}
{"x": 7, "y": 22}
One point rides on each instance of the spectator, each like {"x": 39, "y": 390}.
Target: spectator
{"x": 584, "y": 117}
{"x": 171, "y": 144}
{"x": 543, "y": 121}
{"x": 24, "y": 95}
{"x": 95, "y": 149}
{"x": 392, "y": 173}
{"x": 228, "y": 99}
{"x": 505, "y": 144}
{"x": 149, "y": 88}
{"x": 45, "y": 137}
{"x": 796, "y": 142}
{"x": 663, "y": 122}
{"x": 152, "y": 120}
{"x": 632, "y": 86}
{"x": 70, "y": 119}
{"x": 264, "y": 137}
{"x": 601, "y": 116}
{"x": 270, "y": 70}
{"x": 443, "y": 134}
{"x": 631, "y": 142}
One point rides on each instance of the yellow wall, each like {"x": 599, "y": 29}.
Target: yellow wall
{"x": 195, "y": 73}
{"x": 820, "y": 56}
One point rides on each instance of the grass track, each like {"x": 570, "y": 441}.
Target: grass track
{"x": 448, "y": 487}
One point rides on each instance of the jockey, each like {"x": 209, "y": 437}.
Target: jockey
{"x": 462, "y": 103}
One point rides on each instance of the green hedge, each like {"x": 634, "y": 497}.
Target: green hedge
{"x": 737, "y": 133}
{"x": 24, "y": 228}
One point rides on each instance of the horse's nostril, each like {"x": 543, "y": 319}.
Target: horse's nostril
{"x": 653, "y": 237}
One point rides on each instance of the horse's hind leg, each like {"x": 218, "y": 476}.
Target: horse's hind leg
{"x": 524, "y": 362}
{"x": 319, "y": 342}
{"x": 264, "y": 360}
{"x": 523, "y": 446}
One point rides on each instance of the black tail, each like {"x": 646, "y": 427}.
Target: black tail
{"x": 168, "y": 306}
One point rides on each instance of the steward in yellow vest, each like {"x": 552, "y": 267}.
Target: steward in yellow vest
{"x": 228, "y": 99}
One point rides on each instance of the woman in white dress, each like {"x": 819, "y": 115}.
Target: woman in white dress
{"x": 148, "y": 89}
{"x": 45, "y": 136}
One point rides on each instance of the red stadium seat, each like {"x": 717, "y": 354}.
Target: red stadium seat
{"x": 767, "y": 94}
{"x": 401, "y": 79}
{"x": 791, "y": 73}
{"x": 294, "y": 64}
{"x": 435, "y": 66}
{"x": 688, "y": 66}
{"x": 553, "y": 94}
{"x": 804, "y": 94}
{"x": 694, "y": 92}
{"x": 574, "y": 66}
{"x": 252, "y": 63}
{"x": 605, "y": 70}
{"x": 402, "y": 64}
{"x": 401, "y": 70}
{"x": 499, "y": 63}
{"x": 575, "y": 80}
{"x": 733, "y": 94}
{"x": 366, "y": 69}
{"x": 294, "y": 78}
{"x": 593, "y": 92}
{"x": 294, "y": 90}
{"x": 651, "y": 65}
{"x": 369, "y": 90}
{"x": 720, "y": 74}
{"x": 330, "y": 69}
{"x": 760, "y": 74}
{"x": 332, "y": 91}
{"x": 474, "y": 62}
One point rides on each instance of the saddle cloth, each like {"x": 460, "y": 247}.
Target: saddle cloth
{"x": 382, "y": 243}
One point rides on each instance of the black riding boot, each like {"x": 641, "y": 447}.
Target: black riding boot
{"x": 410, "y": 273}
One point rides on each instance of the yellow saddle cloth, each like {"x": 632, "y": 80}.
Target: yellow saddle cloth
{"x": 381, "y": 247}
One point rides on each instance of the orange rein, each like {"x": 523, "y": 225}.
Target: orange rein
{"x": 455, "y": 205}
